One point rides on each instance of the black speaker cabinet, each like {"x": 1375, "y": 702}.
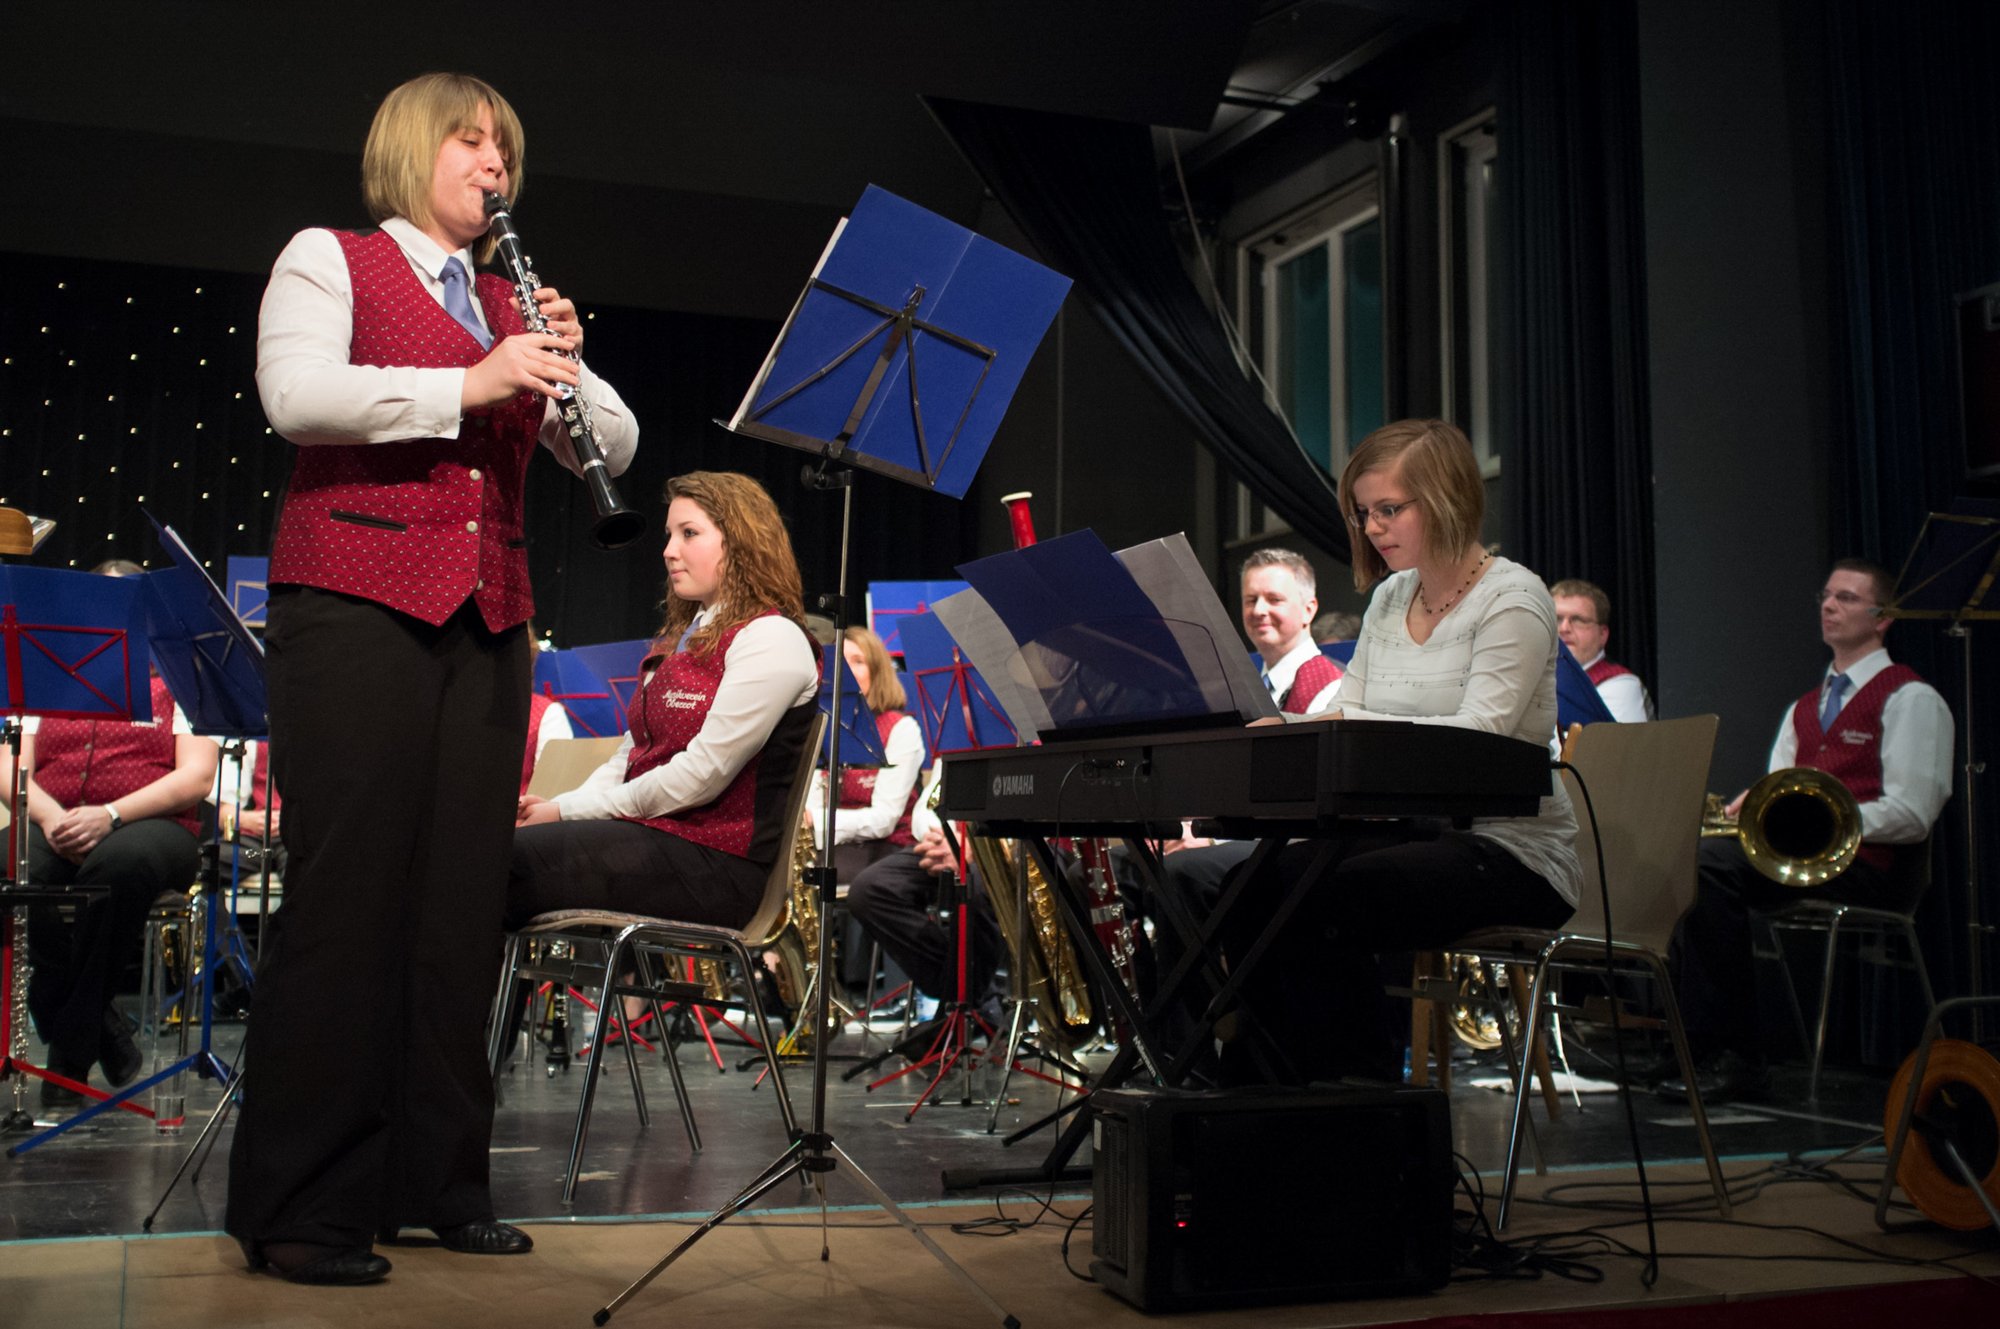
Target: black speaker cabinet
{"x": 1228, "y": 1198}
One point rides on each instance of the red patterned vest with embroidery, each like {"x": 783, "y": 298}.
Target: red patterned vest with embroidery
{"x": 86, "y": 763}
{"x": 1313, "y": 677}
{"x": 538, "y": 706}
{"x": 1604, "y": 671}
{"x": 745, "y": 819}
{"x": 857, "y": 785}
{"x": 421, "y": 525}
{"x": 1852, "y": 753}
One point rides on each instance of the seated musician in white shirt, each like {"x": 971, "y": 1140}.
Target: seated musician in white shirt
{"x": 682, "y": 821}
{"x": 1583, "y": 620}
{"x": 1453, "y": 635}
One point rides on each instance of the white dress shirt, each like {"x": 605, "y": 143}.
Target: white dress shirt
{"x": 1916, "y": 754}
{"x": 1279, "y": 677}
{"x": 1624, "y": 696}
{"x": 555, "y": 724}
{"x": 770, "y": 667}
{"x": 893, "y": 783}
{"x": 312, "y": 395}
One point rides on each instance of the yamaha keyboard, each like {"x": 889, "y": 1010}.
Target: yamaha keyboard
{"x": 1295, "y": 779}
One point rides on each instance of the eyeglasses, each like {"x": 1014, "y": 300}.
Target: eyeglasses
{"x": 1845, "y": 599}
{"x": 1383, "y": 512}
{"x": 1579, "y": 620}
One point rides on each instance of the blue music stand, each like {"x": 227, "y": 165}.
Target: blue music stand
{"x": 618, "y": 663}
{"x": 1577, "y": 698}
{"x": 565, "y": 677}
{"x": 853, "y": 724}
{"x": 890, "y": 603}
{"x": 249, "y": 584}
{"x": 902, "y": 294}
{"x": 70, "y": 647}
{"x": 215, "y": 669}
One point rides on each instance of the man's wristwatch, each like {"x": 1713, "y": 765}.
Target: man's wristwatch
{"x": 116, "y": 820}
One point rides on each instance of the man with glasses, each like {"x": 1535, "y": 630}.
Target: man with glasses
{"x": 1583, "y": 621}
{"x": 1885, "y": 734}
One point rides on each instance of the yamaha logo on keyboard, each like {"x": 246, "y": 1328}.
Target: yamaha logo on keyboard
{"x": 1013, "y": 786}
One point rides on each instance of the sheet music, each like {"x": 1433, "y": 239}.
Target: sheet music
{"x": 985, "y": 639}
{"x": 1167, "y": 571}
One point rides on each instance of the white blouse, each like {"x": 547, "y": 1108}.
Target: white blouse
{"x": 1490, "y": 665}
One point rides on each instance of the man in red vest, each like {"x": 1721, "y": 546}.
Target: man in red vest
{"x": 1886, "y": 735}
{"x": 1279, "y": 601}
{"x": 1583, "y": 621}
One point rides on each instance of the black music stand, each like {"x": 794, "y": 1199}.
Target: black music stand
{"x": 896, "y": 287}
{"x": 215, "y": 669}
{"x": 69, "y": 649}
{"x": 1949, "y": 577}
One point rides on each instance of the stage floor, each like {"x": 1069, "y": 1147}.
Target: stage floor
{"x": 70, "y": 1211}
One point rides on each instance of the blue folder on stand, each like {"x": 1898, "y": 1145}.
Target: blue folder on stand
{"x": 905, "y": 347}
{"x": 617, "y": 663}
{"x": 955, "y": 706}
{"x": 1076, "y": 640}
{"x": 860, "y": 739}
{"x": 566, "y": 677}
{"x": 212, "y": 663}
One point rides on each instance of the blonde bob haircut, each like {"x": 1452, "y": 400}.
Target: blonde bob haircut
{"x": 885, "y": 689}
{"x": 1438, "y": 470}
{"x": 400, "y": 156}
{"x": 759, "y": 573}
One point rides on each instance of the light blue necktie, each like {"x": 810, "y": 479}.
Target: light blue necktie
{"x": 458, "y": 301}
{"x": 1829, "y": 710}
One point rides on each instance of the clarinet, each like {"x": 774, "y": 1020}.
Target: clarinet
{"x": 617, "y": 525}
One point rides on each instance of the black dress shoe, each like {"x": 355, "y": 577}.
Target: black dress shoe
{"x": 58, "y": 1096}
{"x": 116, "y": 1052}
{"x": 323, "y": 1266}
{"x": 1728, "y": 1078}
{"x": 486, "y": 1237}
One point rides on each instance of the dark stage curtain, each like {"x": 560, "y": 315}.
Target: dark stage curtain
{"x": 1570, "y": 381}
{"x": 1914, "y": 199}
{"x": 1087, "y": 194}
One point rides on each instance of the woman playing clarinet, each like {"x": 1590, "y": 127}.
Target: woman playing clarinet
{"x": 399, "y": 673}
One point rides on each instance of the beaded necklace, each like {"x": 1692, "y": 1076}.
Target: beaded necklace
{"x": 1424, "y": 603}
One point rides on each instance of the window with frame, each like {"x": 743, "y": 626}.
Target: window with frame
{"x": 1468, "y": 159}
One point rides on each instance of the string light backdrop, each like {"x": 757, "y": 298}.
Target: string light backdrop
{"x": 126, "y": 384}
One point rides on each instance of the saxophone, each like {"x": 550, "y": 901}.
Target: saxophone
{"x": 1047, "y": 954}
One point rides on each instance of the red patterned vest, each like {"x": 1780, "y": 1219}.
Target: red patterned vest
{"x": 1604, "y": 671}
{"x": 1852, "y": 753}
{"x": 420, "y": 525}
{"x": 538, "y": 706}
{"x": 1313, "y": 678}
{"x": 86, "y": 763}
{"x": 857, "y": 785}
{"x": 665, "y": 716}
{"x": 258, "y": 770}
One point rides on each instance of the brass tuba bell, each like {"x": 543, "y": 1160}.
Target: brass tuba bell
{"x": 1798, "y": 826}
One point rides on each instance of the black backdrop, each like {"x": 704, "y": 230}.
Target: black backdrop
{"x": 121, "y": 382}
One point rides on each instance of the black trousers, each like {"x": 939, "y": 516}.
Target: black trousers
{"x": 891, "y": 899}
{"x": 631, "y": 868}
{"x": 1710, "y": 958}
{"x": 398, "y": 745}
{"x": 1318, "y": 990}
{"x": 77, "y": 964}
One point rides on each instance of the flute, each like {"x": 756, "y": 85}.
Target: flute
{"x": 617, "y": 525}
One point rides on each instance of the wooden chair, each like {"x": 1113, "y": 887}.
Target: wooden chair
{"x": 1646, "y": 782}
